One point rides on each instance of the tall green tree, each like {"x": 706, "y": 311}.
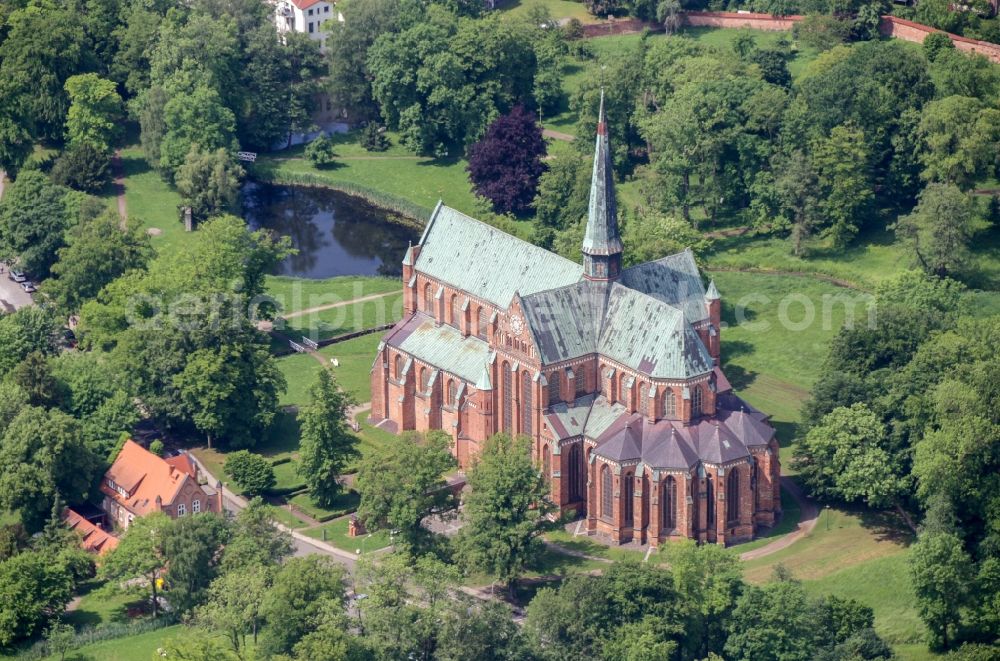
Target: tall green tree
{"x": 97, "y": 252}
{"x": 841, "y": 163}
{"x": 506, "y": 510}
{"x": 45, "y": 457}
{"x": 300, "y": 592}
{"x": 961, "y": 137}
{"x": 942, "y": 572}
{"x": 94, "y": 116}
{"x": 209, "y": 183}
{"x": 848, "y": 456}
{"x": 256, "y": 541}
{"x": 939, "y": 230}
{"x": 139, "y": 553}
{"x": 402, "y": 484}
{"x": 252, "y": 473}
{"x": 233, "y": 605}
{"x": 192, "y": 551}
{"x": 326, "y": 443}
{"x": 33, "y": 217}
{"x": 27, "y": 330}
{"x": 33, "y": 588}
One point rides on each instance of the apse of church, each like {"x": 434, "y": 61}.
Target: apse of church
{"x": 613, "y": 373}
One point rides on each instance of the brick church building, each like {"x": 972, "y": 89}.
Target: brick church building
{"x": 612, "y": 372}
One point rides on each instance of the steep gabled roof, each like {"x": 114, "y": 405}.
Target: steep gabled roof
{"x": 487, "y": 262}
{"x": 441, "y": 345}
{"x": 92, "y": 538}
{"x": 566, "y": 322}
{"x": 651, "y": 337}
{"x": 144, "y": 476}
{"x": 675, "y": 280}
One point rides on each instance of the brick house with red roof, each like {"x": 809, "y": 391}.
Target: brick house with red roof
{"x": 93, "y": 538}
{"x": 139, "y": 483}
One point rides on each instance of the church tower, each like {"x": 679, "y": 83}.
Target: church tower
{"x": 602, "y": 244}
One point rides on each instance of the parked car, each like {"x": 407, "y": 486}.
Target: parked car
{"x": 17, "y": 276}
{"x": 28, "y": 286}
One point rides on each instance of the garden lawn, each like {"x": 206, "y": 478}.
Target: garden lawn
{"x": 295, "y": 294}
{"x": 288, "y": 518}
{"x": 355, "y": 356}
{"x": 791, "y": 514}
{"x": 585, "y": 544}
{"x": 345, "y": 504}
{"x": 360, "y": 315}
{"x": 771, "y": 362}
{"x": 152, "y": 201}
{"x": 557, "y": 9}
{"x": 102, "y": 603}
{"x": 420, "y": 181}
{"x": 141, "y": 647}
{"x": 336, "y": 534}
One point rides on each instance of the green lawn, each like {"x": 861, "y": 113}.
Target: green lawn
{"x": 361, "y": 315}
{"x": 770, "y": 355}
{"x": 355, "y": 357}
{"x": 345, "y": 504}
{"x": 557, "y": 9}
{"x": 294, "y": 294}
{"x": 288, "y": 518}
{"x": 153, "y": 202}
{"x": 300, "y": 370}
{"x": 419, "y": 181}
{"x": 141, "y": 647}
{"x": 335, "y": 533}
{"x": 791, "y": 514}
{"x": 103, "y": 603}
{"x": 585, "y": 544}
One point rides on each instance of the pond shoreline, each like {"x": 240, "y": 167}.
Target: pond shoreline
{"x": 398, "y": 211}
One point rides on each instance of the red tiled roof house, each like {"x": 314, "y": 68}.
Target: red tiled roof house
{"x": 139, "y": 482}
{"x": 92, "y": 537}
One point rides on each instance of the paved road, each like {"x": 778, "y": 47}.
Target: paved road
{"x": 303, "y": 545}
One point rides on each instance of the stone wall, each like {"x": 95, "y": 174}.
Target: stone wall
{"x": 728, "y": 19}
{"x": 909, "y": 31}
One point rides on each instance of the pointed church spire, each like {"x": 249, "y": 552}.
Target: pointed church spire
{"x": 484, "y": 382}
{"x": 602, "y": 244}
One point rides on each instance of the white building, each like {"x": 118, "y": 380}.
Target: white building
{"x": 305, "y": 16}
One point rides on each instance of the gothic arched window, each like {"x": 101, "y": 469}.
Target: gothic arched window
{"x": 575, "y": 462}
{"x": 452, "y": 393}
{"x": 668, "y": 503}
{"x": 526, "y": 408}
{"x": 546, "y": 461}
{"x": 429, "y": 299}
{"x": 483, "y": 325}
{"x": 669, "y": 404}
{"x": 555, "y": 387}
{"x": 733, "y": 496}
{"x": 508, "y": 399}
{"x": 581, "y": 381}
{"x": 425, "y": 379}
{"x": 696, "y": 402}
{"x": 710, "y": 502}
{"x": 456, "y": 312}
{"x": 628, "y": 493}
{"x": 607, "y": 493}
{"x": 397, "y": 367}
{"x": 643, "y": 400}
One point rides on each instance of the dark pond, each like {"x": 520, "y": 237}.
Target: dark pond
{"x": 336, "y": 234}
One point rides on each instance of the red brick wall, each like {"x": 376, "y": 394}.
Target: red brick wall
{"x": 909, "y": 31}
{"x": 727, "y": 19}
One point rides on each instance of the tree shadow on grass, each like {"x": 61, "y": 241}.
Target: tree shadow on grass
{"x": 134, "y": 165}
{"x": 886, "y": 526}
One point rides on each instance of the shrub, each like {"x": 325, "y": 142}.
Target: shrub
{"x": 936, "y": 42}
{"x": 252, "y": 473}
{"x": 320, "y": 152}
{"x": 82, "y": 167}
{"x": 822, "y": 32}
{"x": 156, "y": 447}
{"x": 373, "y": 138}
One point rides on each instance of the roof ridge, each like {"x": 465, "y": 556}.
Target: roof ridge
{"x": 494, "y": 228}
{"x": 686, "y": 251}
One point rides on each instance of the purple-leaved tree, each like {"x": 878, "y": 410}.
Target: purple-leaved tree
{"x": 505, "y": 165}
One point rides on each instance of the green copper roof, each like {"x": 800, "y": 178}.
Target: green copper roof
{"x": 486, "y": 262}
{"x": 675, "y": 280}
{"x": 602, "y": 237}
{"x": 441, "y": 346}
{"x": 713, "y": 293}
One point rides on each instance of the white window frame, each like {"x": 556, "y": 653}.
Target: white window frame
{"x": 195, "y": 506}
{"x": 181, "y": 509}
